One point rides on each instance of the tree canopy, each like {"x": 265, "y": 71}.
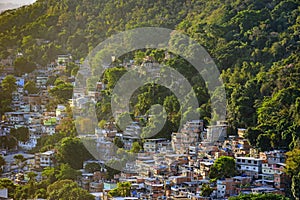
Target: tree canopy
{"x": 223, "y": 167}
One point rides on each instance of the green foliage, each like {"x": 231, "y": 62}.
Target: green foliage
{"x": 67, "y": 172}
{"x": 112, "y": 75}
{"x": 92, "y": 167}
{"x": 8, "y": 142}
{"x": 206, "y": 190}
{"x": 8, "y": 85}
{"x": 67, "y": 127}
{"x": 223, "y": 167}
{"x": 62, "y": 91}
{"x": 21, "y": 134}
{"x": 254, "y": 44}
{"x": 30, "y": 87}
{"x": 118, "y": 142}
{"x": 9, "y": 184}
{"x": 122, "y": 190}
{"x": 264, "y": 142}
{"x": 67, "y": 189}
{"x": 296, "y": 186}
{"x": 19, "y": 157}
{"x": 2, "y": 162}
{"x": 49, "y": 174}
{"x": 111, "y": 171}
{"x": 293, "y": 169}
{"x": 102, "y": 123}
{"x": 136, "y": 147}
{"x": 23, "y": 65}
{"x": 73, "y": 152}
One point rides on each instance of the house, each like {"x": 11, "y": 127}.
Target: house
{"x": 63, "y": 59}
{"x": 17, "y": 117}
{"x": 241, "y": 132}
{"x": 225, "y": 187}
{"x": 271, "y": 169}
{"x": 30, "y": 144}
{"x": 194, "y": 126}
{"x": 282, "y": 181}
{"x": 131, "y": 134}
{"x": 49, "y": 126}
{"x": 204, "y": 169}
{"x": 249, "y": 165}
{"x": 105, "y": 148}
{"x": 153, "y": 145}
{"x": 154, "y": 188}
{"x": 41, "y": 81}
{"x": 241, "y": 147}
{"x": 182, "y": 140}
{"x": 144, "y": 165}
{"x": 45, "y": 159}
{"x": 6, "y": 62}
{"x": 273, "y": 157}
{"x": 60, "y": 111}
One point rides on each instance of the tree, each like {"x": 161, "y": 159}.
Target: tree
{"x": 21, "y": 134}
{"x": 102, "y": 123}
{"x": 296, "y": 186}
{"x": 112, "y": 75}
{"x": 122, "y": 189}
{"x": 23, "y": 65}
{"x": 252, "y": 134}
{"x": 263, "y": 142}
{"x": 73, "y": 152}
{"x": 31, "y": 176}
{"x": 223, "y": 167}
{"x": 293, "y": 169}
{"x": 8, "y": 86}
{"x": 92, "y": 167}
{"x": 8, "y": 142}
{"x": 40, "y": 194}
{"x": 49, "y": 173}
{"x": 9, "y": 184}
{"x": 62, "y": 91}
{"x": 67, "y": 172}
{"x": 68, "y": 190}
{"x": 118, "y": 142}
{"x": 67, "y": 127}
{"x": 30, "y": 87}
{"x": 206, "y": 190}
{"x": 19, "y": 159}
{"x": 136, "y": 147}
{"x": 2, "y": 163}
{"x": 111, "y": 171}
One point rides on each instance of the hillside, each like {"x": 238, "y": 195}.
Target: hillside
{"x": 254, "y": 43}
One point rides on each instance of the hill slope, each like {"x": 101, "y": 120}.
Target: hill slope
{"x": 254, "y": 43}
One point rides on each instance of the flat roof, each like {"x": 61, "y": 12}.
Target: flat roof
{"x": 249, "y": 158}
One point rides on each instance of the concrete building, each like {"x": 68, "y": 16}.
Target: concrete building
{"x": 249, "y": 165}
{"x": 217, "y": 132}
{"x": 45, "y": 159}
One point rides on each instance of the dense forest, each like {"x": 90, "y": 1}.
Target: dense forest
{"x": 255, "y": 45}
